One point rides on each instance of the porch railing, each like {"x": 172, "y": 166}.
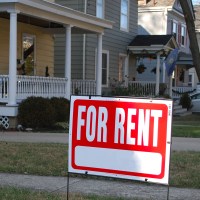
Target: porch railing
{"x": 178, "y": 91}
{"x": 83, "y": 87}
{"x": 142, "y": 88}
{"x": 40, "y": 86}
{"x": 56, "y": 87}
{"x": 4, "y": 88}
{"x": 34, "y": 86}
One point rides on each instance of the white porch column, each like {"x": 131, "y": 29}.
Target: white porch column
{"x": 68, "y": 60}
{"x": 12, "y": 90}
{"x": 99, "y": 65}
{"x": 157, "y": 74}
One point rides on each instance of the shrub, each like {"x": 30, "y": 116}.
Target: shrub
{"x": 36, "y": 112}
{"x": 185, "y": 101}
{"x": 61, "y": 107}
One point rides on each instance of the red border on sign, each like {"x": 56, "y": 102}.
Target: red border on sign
{"x": 111, "y": 107}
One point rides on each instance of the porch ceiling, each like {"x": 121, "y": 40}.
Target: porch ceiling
{"x": 50, "y": 27}
{"x": 53, "y": 16}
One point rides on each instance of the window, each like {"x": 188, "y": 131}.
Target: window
{"x": 124, "y": 17}
{"x": 190, "y": 80}
{"x": 100, "y": 8}
{"x": 175, "y": 29}
{"x": 183, "y": 35}
{"x": 28, "y": 44}
{"x": 121, "y": 68}
{"x": 105, "y": 67}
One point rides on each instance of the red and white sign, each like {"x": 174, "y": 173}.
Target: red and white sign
{"x": 120, "y": 137}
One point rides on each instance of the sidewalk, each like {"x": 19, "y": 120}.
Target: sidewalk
{"x": 178, "y": 143}
{"x": 117, "y": 188}
{"x": 123, "y": 189}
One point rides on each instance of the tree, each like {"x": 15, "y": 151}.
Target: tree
{"x": 189, "y": 19}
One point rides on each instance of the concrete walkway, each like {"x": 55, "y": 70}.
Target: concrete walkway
{"x": 123, "y": 189}
{"x": 178, "y": 143}
{"x": 117, "y": 188}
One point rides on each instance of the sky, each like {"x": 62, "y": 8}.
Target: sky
{"x": 196, "y": 1}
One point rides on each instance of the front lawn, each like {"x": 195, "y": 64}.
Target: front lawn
{"x": 51, "y": 160}
{"x": 186, "y": 126}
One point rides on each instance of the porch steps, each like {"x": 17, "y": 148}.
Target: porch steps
{"x": 179, "y": 111}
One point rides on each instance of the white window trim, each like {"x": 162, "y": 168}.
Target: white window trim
{"x": 176, "y": 22}
{"x": 121, "y": 28}
{"x": 108, "y": 59}
{"x": 183, "y": 25}
{"x": 103, "y": 9}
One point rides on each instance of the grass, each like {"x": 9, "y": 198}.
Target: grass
{"x": 185, "y": 131}
{"x": 51, "y": 160}
{"x": 184, "y": 169}
{"x": 11, "y": 193}
{"x": 40, "y": 159}
{"x": 186, "y": 126}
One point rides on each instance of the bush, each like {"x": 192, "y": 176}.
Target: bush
{"x": 39, "y": 112}
{"x": 185, "y": 101}
{"x": 36, "y": 112}
{"x": 61, "y": 107}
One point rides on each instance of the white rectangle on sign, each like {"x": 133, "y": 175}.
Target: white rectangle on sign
{"x": 129, "y": 161}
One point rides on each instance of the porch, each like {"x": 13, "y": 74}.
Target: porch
{"x": 57, "y": 87}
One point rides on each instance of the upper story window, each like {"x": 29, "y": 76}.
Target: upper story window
{"x": 183, "y": 35}
{"x": 175, "y": 29}
{"x": 124, "y": 17}
{"x": 100, "y": 8}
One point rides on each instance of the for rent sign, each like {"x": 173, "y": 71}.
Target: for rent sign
{"x": 120, "y": 137}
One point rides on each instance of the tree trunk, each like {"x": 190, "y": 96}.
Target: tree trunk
{"x": 189, "y": 19}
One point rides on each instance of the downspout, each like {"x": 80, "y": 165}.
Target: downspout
{"x": 84, "y": 41}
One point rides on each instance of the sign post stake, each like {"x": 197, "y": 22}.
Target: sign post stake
{"x": 68, "y": 186}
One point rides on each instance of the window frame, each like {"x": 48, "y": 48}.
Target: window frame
{"x": 107, "y": 70}
{"x": 121, "y": 72}
{"x": 127, "y": 16}
{"x": 183, "y": 36}
{"x": 102, "y": 7}
{"x": 174, "y": 22}
{"x": 34, "y": 41}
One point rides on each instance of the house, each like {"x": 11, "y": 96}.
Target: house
{"x": 117, "y": 65}
{"x": 163, "y": 18}
{"x": 193, "y": 76}
{"x": 27, "y": 30}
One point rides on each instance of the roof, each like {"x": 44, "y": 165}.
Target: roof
{"x": 152, "y": 44}
{"x": 149, "y": 40}
{"x": 158, "y": 3}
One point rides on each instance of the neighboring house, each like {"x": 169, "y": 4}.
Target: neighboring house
{"x": 193, "y": 76}
{"x": 117, "y": 65}
{"x": 161, "y": 17}
{"x": 27, "y": 30}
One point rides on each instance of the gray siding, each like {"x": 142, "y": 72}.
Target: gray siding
{"x": 115, "y": 41}
{"x": 74, "y": 4}
{"x": 77, "y": 45}
{"x": 77, "y": 56}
